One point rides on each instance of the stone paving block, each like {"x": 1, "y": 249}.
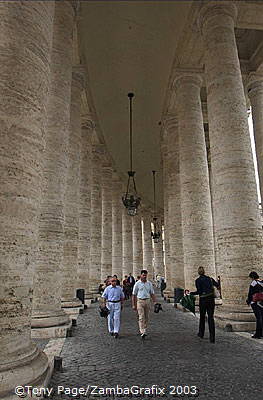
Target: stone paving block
{"x": 171, "y": 355}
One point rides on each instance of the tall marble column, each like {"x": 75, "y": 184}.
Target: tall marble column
{"x": 87, "y": 128}
{"x": 137, "y": 245}
{"x": 106, "y": 227}
{"x": 167, "y": 262}
{"x": 48, "y": 319}
{"x": 198, "y": 242}
{"x": 236, "y": 216}
{"x": 147, "y": 245}
{"x": 174, "y": 204}
{"x": 26, "y": 38}
{"x": 117, "y": 227}
{"x": 255, "y": 94}
{"x": 127, "y": 243}
{"x": 72, "y": 199}
{"x": 96, "y": 219}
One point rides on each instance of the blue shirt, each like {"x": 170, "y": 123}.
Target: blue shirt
{"x": 143, "y": 290}
{"x": 113, "y": 293}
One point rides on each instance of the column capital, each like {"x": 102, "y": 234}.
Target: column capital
{"x": 190, "y": 77}
{"x": 214, "y": 9}
{"x": 87, "y": 122}
{"x": 254, "y": 84}
{"x": 170, "y": 122}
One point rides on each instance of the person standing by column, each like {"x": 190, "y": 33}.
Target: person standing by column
{"x": 205, "y": 289}
{"x": 113, "y": 298}
{"x": 141, "y": 297}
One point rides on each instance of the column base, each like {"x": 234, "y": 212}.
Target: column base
{"x": 32, "y": 370}
{"x": 235, "y": 318}
{"x": 52, "y": 325}
{"x": 72, "y": 307}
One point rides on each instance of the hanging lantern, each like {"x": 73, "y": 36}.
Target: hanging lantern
{"x": 156, "y": 234}
{"x": 130, "y": 199}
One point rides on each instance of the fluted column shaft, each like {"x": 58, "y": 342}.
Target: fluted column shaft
{"x": 72, "y": 196}
{"x": 147, "y": 245}
{"x": 198, "y": 242}
{"x": 255, "y": 94}
{"x": 106, "y": 228}
{"x": 96, "y": 219}
{"x": 26, "y": 38}
{"x": 85, "y": 204}
{"x": 47, "y": 278}
{"x": 127, "y": 244}
{"x": 137, "y": 245}
{"x": 176, "y": 253}
{"x": 236, "y": 217}
{"x": 117, "y": 228}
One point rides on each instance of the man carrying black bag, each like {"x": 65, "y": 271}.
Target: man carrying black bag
{"x": 205, "y": 289}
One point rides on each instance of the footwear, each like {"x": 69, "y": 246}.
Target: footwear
{"x": 116, "y": 335}
{"x": 111, "y": 333}
{"x": 255, "y": 337}
{"x": 143, "y": 335}
{"x": 212, "y": 341}
{"x": 199, "y": 335}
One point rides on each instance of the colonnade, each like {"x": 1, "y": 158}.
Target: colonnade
{"x": 63, "y": 225}
{"x": 216, "y": 209}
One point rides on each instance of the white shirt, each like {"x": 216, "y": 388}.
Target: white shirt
{"x": 143, "y": 290}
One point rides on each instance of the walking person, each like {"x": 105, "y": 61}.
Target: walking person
{"x": 205, "y": 289}
{"x": 113, "y": 298}
{"x": 142, "y": 295}
{"x": 256, "y": 286}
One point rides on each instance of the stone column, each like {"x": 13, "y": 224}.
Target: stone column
{"x": 174, "y": 205}
{"x": 117, "y": 227}
{"x": 72, "y": 200}
{"x": 137, "y": 245}
{"x": 147, "y": 245}
{"x": 127, "y": 243}
{"x": 26, "y": 38}
{"x": 85, "y": 204}
{"x": 96, "y": 218}
{"x": 198, "y": 242}
{"x": 48, "y": 319}
{"x": 167, "y": 263}
{"x": 255, "y": 94}
{"x": 106, "y": 227}
{"x": 236, "y": 215}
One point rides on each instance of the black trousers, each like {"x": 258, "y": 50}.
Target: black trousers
{"x": 258, "y": 311}
{"x": 207, "y": 305}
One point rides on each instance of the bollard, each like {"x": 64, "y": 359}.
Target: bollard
{"x": 57, "y": 363}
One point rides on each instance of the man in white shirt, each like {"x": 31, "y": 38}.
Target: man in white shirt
{"x": 141, "y": 298}
{"x": 114, "y": 297}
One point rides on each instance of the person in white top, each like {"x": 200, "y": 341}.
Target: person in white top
{"x": 142, "y": 295}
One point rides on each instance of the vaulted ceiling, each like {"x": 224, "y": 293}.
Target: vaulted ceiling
{"x": 132, "y": 46}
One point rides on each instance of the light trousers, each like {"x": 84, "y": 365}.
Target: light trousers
{"x": 143, "y": 308}
{"x": 114, "y": 317}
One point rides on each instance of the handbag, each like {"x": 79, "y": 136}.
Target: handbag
{"x": 216, "y": 292}
{"x": 257, "y": 297}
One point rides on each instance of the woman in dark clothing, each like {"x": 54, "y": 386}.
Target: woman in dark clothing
{"x": 205, "y": 289}
{"x": 256, "y": 286}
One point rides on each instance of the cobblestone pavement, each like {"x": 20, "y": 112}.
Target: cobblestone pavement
{"x": 171, "y": 355}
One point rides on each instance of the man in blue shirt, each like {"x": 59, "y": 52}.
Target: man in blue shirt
{"x": 113, "y": 298}
{"x": 142, "y": 294}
